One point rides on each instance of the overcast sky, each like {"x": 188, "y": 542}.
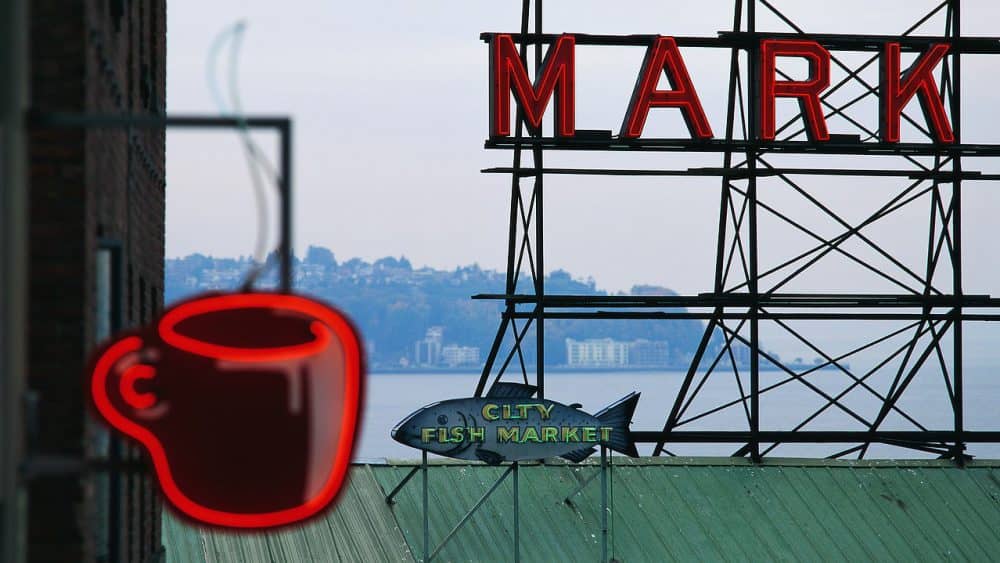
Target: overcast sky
{"x": 389, "y": 101}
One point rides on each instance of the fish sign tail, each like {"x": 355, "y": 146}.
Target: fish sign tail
{"x": 618, "y": 416}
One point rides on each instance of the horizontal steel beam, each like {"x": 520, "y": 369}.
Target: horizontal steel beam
{"x": 746, "y": 315}
{"x": 152, "y": 121}
{"x": 736, "y": 173}
{"x": 762, "y": 148}
{"x": 746, "y": 40}
{"x": 854, "y": 42}
{"x": 789, "y": 300}
{"x": 810, "y": 436}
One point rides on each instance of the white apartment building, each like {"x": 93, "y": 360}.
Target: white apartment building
{"x": 453, "y": 355}
{"x": 596, "y": 352}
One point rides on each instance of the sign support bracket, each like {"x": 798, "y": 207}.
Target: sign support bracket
{"x": 429, "y": 557}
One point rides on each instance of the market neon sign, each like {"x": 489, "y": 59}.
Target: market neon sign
{"x": 556, "y": 80}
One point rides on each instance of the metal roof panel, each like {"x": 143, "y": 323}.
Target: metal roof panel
{"x": 662, "y": 509}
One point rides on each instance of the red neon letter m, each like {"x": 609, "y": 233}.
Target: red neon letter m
{"x": 556, "y": 75}
{"x": 897, "y": 93}
{"x": 807, "y": 92}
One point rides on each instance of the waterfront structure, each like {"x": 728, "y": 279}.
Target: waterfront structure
{"x": 616, "y": 354}
{"x": 427, "y": 351}
{"x": 648, "y": 353}
{"x": 453, "y": 355}
{"x": 596, "y": 352}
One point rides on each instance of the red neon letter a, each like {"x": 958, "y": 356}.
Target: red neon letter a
{"x": 508, "y": 73}
{"x": 663, "y": 56}
{"x": 806, "y": 91}
{"x": 897, "y": 93}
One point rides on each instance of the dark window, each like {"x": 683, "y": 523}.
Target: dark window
{"x": 143, "y": 310}
{"x": 130, "y": 294}
{"x": 116, "y": 9}
{"x": 154, "y": 306}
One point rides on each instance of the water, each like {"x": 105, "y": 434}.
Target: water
{"x": 391, "y": 397}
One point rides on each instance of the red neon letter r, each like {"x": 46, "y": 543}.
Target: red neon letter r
{"x": 663, "y": 56}
{"x": 897, "y": 93}
{"x": 508, "y": 74}
{"x": 806, "y": 91}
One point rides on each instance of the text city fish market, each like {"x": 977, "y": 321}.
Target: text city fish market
{"x": 556, "y": 78}
{"x": 516, "y": 434}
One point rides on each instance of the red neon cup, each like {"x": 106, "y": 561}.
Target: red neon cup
{"x": 247, "y": 404}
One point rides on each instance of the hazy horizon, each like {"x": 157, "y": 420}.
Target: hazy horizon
{"x": 389, "y": 102}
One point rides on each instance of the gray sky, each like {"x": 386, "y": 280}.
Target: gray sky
{"x": 390, "y": 107}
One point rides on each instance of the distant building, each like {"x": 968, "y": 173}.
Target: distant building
{"x": 596, "y": 352}
{"x": 741, "y": 353}
{"x": 427, "y": 352}
{"x": 453, "y": 355}
{"x": 648, "y": 353}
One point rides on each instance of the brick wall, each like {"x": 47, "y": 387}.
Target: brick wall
{"x": 100, "y": 57}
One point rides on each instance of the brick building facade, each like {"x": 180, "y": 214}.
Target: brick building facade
{"x": 95, "y": 263}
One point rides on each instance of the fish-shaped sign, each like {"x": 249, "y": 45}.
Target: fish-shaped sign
{"x": 508, "y": 425}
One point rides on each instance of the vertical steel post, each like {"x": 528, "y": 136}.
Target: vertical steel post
{"x": 720, "y": 257}
{"x": 956, "y": 232}
{"x": 604, "y": 503}
{"x": 286, "y": 206}
{"x": 517, "y": 525}
{"x": 515, "y": 195}
{"x": 727, "y": 158}
{"x": 753, "y": 110}
{"x": 427, "y": 529}
{"x": 539, "y": 247}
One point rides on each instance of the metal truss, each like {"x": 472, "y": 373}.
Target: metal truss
{"x": 925, "y": 305}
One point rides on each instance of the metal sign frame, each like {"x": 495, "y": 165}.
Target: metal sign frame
{"x": 39, "y": 464}
{"x": 429, "y": 554}
{"x": 744, "y": 296}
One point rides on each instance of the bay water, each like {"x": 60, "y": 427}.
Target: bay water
{"x": 390, "y": 397}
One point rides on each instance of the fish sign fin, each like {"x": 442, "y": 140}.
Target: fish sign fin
{"x": 619, "y": 416}
{"x": 507, "y": 390}
{"x": 489, "y": 456}
{"x": 576, "y": 456}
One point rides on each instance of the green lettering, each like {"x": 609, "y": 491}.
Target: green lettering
{"x": 550, "y": 434}
{"x": 508, "y": 434}
{"x": 530, "y": 434}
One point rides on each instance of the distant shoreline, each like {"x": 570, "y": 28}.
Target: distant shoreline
{"x": 575, "y": 369}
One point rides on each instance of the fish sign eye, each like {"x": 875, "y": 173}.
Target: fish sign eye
{"x": 442, "y": 419}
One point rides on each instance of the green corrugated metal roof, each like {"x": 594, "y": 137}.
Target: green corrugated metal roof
{"x": 361, "y": 528}
{"x": 663, "y": 509}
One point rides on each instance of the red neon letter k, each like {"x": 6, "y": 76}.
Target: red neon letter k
{"x": 897, "y": 93}
{"x": 807, "y": 92}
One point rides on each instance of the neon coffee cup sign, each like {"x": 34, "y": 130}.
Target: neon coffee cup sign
{"x": 247, "y": 404}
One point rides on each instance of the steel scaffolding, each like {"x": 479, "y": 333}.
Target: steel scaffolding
{"x": 928, "y": 305}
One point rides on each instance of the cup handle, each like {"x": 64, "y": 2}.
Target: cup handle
{"x": 116, "y": 396}
{"x": 138, "y": 400}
